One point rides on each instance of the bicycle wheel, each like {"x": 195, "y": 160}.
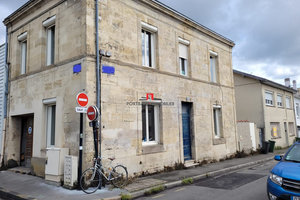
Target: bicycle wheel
{"x": 119, "y": 176}
{"x": 90, "y": 180}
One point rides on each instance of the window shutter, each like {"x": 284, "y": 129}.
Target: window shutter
{"x": 183, "y": 51}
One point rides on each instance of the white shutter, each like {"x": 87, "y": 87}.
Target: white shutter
{"x": 183, "y": 51}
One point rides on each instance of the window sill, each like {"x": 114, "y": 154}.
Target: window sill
{"x": 152, "y": 148}
{"x": 292, "y": 135}
{"x": 274, "y": 138}
{"x": 217, "y": 141}
{"x": 270, "y": 105}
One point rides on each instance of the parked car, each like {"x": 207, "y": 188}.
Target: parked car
{"x": 284, "y": 180}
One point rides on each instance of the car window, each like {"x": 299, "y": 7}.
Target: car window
{"x": 294, "y": 154}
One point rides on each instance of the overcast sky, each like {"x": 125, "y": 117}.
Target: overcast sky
{"x": 266, "y": 32}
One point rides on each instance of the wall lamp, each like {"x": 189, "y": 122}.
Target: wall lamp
{"x": 105, "y": 53}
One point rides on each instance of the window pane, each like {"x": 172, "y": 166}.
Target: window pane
{"x": 23, "y": 57}
{"x": 216, "y": 122}
{"x": 275, "y": 129}
{"x": 288, "y": 105}
{"x": 213, "y": 70}
{"x": 269, "y": 98}
{"x": 53, "y": 125}
{"x": 144, "y": 123}
{"x": 182, "y": 62}
{"x": 147, "y": 45}
{"x": 143, "y": 47}
{"x": 50, "y": 45}
{"x": 146, "y": 49}
{"x": 151, "y": 122}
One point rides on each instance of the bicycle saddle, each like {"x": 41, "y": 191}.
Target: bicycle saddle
{"x": 111, "y": 159}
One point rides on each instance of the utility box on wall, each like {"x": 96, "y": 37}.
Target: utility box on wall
{"x": 70, "y": 171}
{"x": 54, "y": 169}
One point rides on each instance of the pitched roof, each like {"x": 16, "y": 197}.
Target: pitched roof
{"x": 266, "y": 81}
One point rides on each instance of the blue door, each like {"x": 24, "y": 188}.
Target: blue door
{"x": 186, "y": 130}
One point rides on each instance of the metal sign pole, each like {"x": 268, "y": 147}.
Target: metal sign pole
{"x": 80, "y": 148}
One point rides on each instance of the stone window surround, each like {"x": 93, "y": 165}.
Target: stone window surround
{"x": 49, "y": 103}
{"x": 152, "y": 30}
{"x": 49, "y": 25}
{"x": 156, "y": 146}
{"x": 213, "y": 72}
{"x": 221, "y": 139}
{"x": 183, "y": 55}
{"x": 22, "y": 38}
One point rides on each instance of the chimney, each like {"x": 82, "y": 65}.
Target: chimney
{"x": 287, "y": 82}
{"x": 294, "y": 84}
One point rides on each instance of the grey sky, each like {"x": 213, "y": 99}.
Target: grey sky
{"x": 266, "y": 32}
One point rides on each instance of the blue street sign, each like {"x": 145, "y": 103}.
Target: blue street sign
{"x": 108, "y": 69}
{"x": 77, "y": 68}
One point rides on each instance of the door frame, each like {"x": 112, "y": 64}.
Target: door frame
{"x": 24, "y": 119}
{"x": 191, "y": 114}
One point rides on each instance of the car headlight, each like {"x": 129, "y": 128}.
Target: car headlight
{"x": 276, "y": 179}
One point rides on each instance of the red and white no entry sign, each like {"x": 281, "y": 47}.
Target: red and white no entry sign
{"x": 82, "y": 99}
{"x": 92, "y": 113}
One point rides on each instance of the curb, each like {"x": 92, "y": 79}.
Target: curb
{"x": 14, "y": 195}
{"x": 173, "y": 184}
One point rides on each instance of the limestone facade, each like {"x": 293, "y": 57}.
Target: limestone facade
{"x": 124, "y": 93}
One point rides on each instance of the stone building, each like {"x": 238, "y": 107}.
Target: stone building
{"x": 168, "y": 96}
{"x": 3, "y": 83}
{"x": 268, "y": 104}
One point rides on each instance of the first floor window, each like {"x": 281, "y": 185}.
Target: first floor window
{"x": 288, "y": 102}
{"x": 275, "y": 129}
{"x": 183, "y": 57}
{"x": 50, "y": 127}
{"x": 23, "y": 56}
{"x": 269, "y": 98}
{"x": 50, "y": 45}
{"x": 279, "y": 100}
{"x": 213, "y": 67}
{"x": 217, "y": 114}
{"x": 150, "y": 120}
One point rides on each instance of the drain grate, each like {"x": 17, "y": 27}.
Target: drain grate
{"x": 229, "y": 182}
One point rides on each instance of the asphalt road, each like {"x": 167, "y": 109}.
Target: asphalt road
{"x": 244, "y": 184}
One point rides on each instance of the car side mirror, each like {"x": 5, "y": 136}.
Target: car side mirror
{"x": 278, "y": 157}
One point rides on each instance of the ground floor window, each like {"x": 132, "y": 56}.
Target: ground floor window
{"x": 50, "y": 125}
{"x": 217, "y": 115}
{"x": 291, "y": 128}
{"x": 150, "y": 121}
{"x": 275, "y": 129}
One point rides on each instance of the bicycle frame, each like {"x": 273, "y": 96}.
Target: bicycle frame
{"x": 98, "y": 167}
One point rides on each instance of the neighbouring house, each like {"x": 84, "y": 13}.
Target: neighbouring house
{"x": 167, "y": 91}
{"x": 267, "y": 104}
{"x": 3, "y": 81}
{"x": 297, "y": 106}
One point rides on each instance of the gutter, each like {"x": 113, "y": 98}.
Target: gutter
{"x": 6, "y": 75}
{"x": 98, "y": 77}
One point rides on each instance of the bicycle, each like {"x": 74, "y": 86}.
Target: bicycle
{"x": 90, "y": 178}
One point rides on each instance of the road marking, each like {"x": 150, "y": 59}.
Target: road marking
{"x": 155, "y": 197}
{"x": 180, "y": 189}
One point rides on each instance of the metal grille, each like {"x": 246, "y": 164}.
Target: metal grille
{"x": 291, "y": 185}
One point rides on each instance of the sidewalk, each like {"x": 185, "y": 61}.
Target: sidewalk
{"x": 31, "y": 187}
